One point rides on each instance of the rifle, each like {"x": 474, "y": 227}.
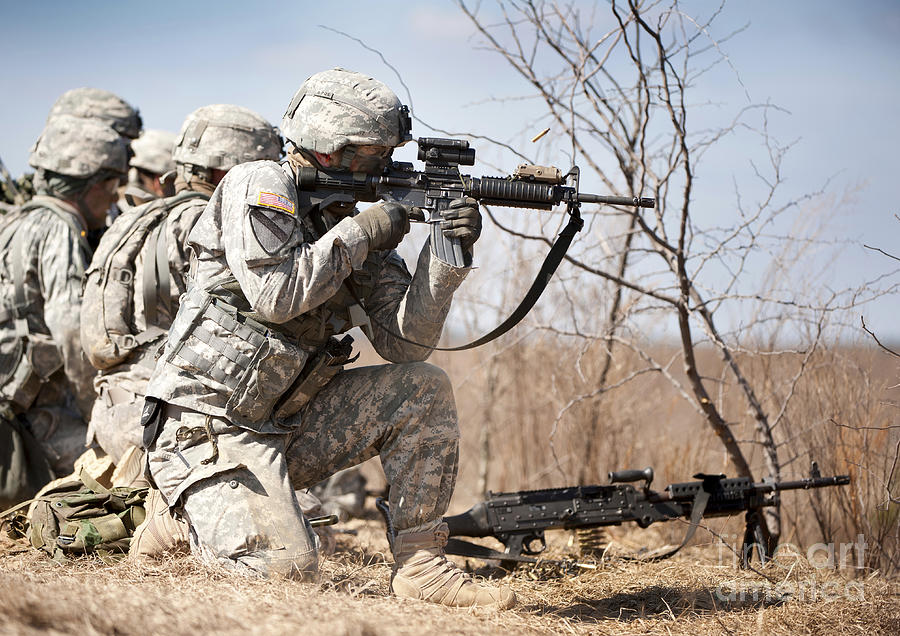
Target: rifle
{"x": 519, "y": 519}
{"x": 432, "y": 190}
{"x": 530, "y": 186}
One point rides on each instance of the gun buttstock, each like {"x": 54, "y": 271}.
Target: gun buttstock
{"x": 471, "y": 523}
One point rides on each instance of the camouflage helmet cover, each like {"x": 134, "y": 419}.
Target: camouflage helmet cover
{"x": 96, "y": 103}
{"x": 79, "y": 148}
{"x": 336, "y": 108}
{"x": 223, "y": 136}
{"x": 153, "y": 151}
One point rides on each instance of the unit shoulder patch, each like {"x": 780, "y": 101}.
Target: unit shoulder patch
{"x": 272, "y": 230}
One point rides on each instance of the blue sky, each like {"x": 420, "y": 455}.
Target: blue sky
{"x": 833, "y": 66}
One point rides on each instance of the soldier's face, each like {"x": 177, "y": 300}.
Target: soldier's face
{"x": 98, "y": 201}
{"x": 150, "y": 181}
{"x": 371, "y": 159}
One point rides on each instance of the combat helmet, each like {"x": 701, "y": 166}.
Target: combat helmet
{"x": 79, "y": 148}
{"x": 338, "y": 108}
{"x": 153, "y": 151}
{"x": 96, "y": 103}
{"x": 222, "y": 136}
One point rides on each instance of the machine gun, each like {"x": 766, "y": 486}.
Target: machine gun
{"x": 432, "y": 190}
{"x": 519, "y": 519}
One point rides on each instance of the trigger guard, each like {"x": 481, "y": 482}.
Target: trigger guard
{"x": 527, "y": 545}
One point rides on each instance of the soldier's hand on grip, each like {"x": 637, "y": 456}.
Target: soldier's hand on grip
{"x": 462, "y": 220}
{"x": 385, "y": 225}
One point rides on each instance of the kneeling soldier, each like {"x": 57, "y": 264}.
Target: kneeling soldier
{"x": 249, "y": 400}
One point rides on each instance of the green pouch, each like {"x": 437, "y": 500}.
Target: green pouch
{"x": 79, "y": 517}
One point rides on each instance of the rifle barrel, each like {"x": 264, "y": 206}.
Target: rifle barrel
{"x": 638, "y": 202}
{"x": 816, "y": 482}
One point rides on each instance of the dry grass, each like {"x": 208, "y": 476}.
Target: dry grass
{"x": 690, "y": 594}
{"x": 843, "y": 415}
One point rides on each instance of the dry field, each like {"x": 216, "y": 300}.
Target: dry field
{"x": 690, "y": 594}
{"x": 842, "y": 414}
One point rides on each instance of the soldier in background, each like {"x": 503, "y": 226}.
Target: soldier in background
{"x": 123, "y": 327}
{"x": 45, "y": 379}
{"x": 86, "y": 103}
{"x": 108, "y": 108}
{"x": 213, "y": 140}
{"x": 250, "y": 401}
{"x": 14, "y": 192}
{"x": 151, "y": 161}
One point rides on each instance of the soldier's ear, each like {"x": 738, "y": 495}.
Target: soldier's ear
{"x": 325, "y": 160}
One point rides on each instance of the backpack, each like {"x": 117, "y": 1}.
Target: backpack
{"x": 108, "y": 333}
{"x": 78, "y": 517}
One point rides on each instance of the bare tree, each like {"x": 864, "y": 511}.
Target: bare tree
{"x": 615, "y": 81}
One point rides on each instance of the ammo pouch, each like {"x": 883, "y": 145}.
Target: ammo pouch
{"x": 315, "y": 375}
{"x": 226, "y": 349}
{"x": 77, "y": 517}
{"x": 265, "y": 371}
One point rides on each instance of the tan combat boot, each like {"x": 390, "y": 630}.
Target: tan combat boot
{"x": 160, "y": 532}
{"x": 421, "y": 571}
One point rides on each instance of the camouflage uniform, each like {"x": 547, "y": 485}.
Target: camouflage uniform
{"x": 44, "y": 377}
{"x": 238, "y": 426}
{"x": 230, "y": 135}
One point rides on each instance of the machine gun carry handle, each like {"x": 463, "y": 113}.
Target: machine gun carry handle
{"x": 624, "y": 476}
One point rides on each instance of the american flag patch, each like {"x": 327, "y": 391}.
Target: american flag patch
{"x": 272, "y": 200}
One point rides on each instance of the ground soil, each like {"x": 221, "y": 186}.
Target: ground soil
{"x": 700, "y": 591}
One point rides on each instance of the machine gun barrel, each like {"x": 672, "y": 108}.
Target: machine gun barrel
{"x": 806, "y": 484}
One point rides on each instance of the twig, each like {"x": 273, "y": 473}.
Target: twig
{"x": 875, "y": 338}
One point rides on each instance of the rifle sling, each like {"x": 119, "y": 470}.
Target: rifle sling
{"x": 697, "y": 509}
{"x": 548, "y": 268}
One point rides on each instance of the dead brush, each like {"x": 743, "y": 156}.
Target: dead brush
{"x": 837, "y": 412}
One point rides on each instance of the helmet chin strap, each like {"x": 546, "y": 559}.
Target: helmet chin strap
{"x": 347, "y": 155}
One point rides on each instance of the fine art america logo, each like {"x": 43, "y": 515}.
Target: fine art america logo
{"x": 821, "y": 556}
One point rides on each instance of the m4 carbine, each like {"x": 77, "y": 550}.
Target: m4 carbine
{"x": 533, "y": 187}
{"x": 519, "y": 519}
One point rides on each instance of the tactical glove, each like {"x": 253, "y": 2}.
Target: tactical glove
{"x": 462, "y": 220}
{"x": 385, "y": 225}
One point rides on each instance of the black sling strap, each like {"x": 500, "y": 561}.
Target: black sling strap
{"x": 548, "y": 268}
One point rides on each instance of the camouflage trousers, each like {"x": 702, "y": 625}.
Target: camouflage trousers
{"x": 116, "y": 420}
{"x": 236, "y": 487}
